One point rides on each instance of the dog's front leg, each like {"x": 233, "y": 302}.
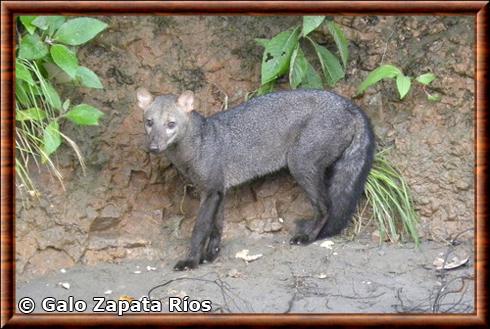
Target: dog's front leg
{"x": 202, "y": 229}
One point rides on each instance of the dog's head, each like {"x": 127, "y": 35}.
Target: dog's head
{"x": 166, "y": 117}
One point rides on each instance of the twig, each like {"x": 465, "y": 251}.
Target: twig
{"x": 293, "y": 298}
{"x": 225, "y": 289}
{"x": 386, "y": 46}
{"x": 356, "y": 296}
{"x": 435, "y": 304}
{"x": 181, "y": 206}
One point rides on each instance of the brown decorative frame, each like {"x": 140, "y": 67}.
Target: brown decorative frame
{"x": 9, "y": 9}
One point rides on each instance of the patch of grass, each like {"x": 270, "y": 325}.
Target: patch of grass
{"x": 29, "y": 141}
{"x": 391, "y": 201}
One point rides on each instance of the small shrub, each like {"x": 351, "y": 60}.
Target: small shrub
{"x": 403, "y": 82}
{"x": 283, "y": 55}
{"x": 48, "y": 44}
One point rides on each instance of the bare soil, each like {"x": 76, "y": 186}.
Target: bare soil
{"x": 133, "y": 209}
{"x": 352, "y": 276}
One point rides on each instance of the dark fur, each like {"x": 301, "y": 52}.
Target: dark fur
{"x": 324, "y": 140}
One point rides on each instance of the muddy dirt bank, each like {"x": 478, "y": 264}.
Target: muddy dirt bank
{"x": 128, "y": 202}
{"x": 349, "y": 276}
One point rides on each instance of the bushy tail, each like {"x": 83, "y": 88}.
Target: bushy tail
{"x": 345, "y": 179}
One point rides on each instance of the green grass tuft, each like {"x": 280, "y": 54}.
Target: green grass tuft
{"x": 391, "y": 201}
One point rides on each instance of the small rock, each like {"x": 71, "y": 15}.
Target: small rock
{"x": 267, "y": 225}
{"x": 268, "y": 189}
{"x": 65, "y": 285}
{"x": 375, "y": 236}
{"x": 462, "y": 185}
{"x": 327, "y": 244}
{"x": 110, "y": 211}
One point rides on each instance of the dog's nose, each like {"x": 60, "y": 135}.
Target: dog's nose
{"x": 153, "y": 148}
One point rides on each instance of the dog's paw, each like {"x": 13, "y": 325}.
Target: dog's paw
{"x": 210, "y": 255}
{"x": 300, "y": 238}
{"x": 185, "y": 264}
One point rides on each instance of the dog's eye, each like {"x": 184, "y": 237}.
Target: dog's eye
{"x": 171, "y": 125}
{"x": 149, "y": 122}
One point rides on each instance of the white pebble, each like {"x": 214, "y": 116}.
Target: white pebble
{"x": 65, "y": 285}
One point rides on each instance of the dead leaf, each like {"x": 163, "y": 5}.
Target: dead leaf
{"x": 327, "y": 244}
{"x": 126, "y": 298}
{"x": 246, "y": 257}
{"x": 452, "y": 263}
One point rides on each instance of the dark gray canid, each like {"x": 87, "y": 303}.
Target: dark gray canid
{"x": 325, "y": 141}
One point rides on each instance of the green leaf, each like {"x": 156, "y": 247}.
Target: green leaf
{"x": 22, "y": 73}
{"x": 277, "y": 54}
{"x": 41, "y": 22}
{"x": 33, "y": 113}
{"x": 262, "y": 42}
{"x": 49, "y": 23}
{"x": 434, "y": 98}
{"x": 332, "y": 70}
{"x": 302, "y": 74}
{"x": 88, "y": 78}
{"x": 79, "y": 30}
{"x": 54, "y": 73}
{"x": 52, "y": 96}
{"x": 312, "y": 79}
{"x": 310, "y": 23}
{"x": 27, "y": 22}
{"x": 51, "y": 138}
{"x": 84, "y": 114}
{"x": 65, "y": 59}
{"x": 382, "y": 72}
{"x": 21, "y": 92}
{"x": 66, "y": 105}
{"x": 31, "y": 47}
{"x": 265, "y": 89}
{"x": 297, "y": 68}
{"x": 340, "y": 41}
{"x": 34, "y": 89}
{"x": 426, "y": 78}
{"x": 403, "y": 84}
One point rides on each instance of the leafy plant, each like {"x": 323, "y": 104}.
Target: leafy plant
{"x": 391, "y": 201}
{"x": 283, "y": 54}
{"x": 403, "y": 82}
{"x": 47, "y": 45}
{"x": 386, "y": 190}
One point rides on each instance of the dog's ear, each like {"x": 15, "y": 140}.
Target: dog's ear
{"x": 186, "y": 101}
{"x": 144, "y": 98}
